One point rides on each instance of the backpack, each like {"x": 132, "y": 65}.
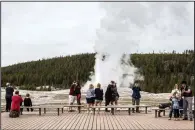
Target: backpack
{"x": 14, "y": 114}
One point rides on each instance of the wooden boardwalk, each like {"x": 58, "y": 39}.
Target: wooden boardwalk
{"x": 84, "y": 121}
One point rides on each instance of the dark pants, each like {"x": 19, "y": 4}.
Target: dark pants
{"x": 79, "y": 103}
{"x": 107, "y": 102}
{"x": 176, "y": 113}
{"x": 8, "y": 103}
{"x": 171, "y": 112}
{"x": 30, "y": 109}
{"x": 21, "y": 110}
{"x": 135, "y": 102}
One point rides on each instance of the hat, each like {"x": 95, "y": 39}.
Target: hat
{"x": 112, "y": 82}
{"x": 7, "y": 84}
{"x": 183, "y": 82}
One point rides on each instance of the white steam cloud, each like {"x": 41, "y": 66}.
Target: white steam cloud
{"x": 126, "y": 26}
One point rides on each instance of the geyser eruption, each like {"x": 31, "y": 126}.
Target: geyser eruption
{"x": 127, "y": 25}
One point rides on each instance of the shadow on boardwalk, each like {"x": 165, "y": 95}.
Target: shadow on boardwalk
{"x": 83, "y": 121}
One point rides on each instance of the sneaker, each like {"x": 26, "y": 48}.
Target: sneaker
{"x": 169, "y": 118}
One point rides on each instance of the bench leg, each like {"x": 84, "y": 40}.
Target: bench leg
{"x": 93, "y": 111}
{"x": 58, "y": 111}
{"x": 112, "y": 111}
{"x": 62, "y": 110}
{"x": 39, "y": 111}
{"x": 163, "y": 112}
{"x": 146, "y": 110}
{"x": 129, "y": 111}
{"x": 44, "y": 110}
{"x": 155, "y": 113}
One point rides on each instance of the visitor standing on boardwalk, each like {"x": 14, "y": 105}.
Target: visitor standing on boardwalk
{"x": 8, "y": 96}
{"x": 136, "y": 95}
{"x": 90, "y": 96}
{"x": 108, "y": 94}
{"x": 115, "y": 95}
{"x": 186, "y": 92}
{"x": 98, "y": 96}
{"x": 72, "y": 95}
{"x": 175, "y": 105}
{"x": 78, "y": 94}
{"x": 178, "y": 94}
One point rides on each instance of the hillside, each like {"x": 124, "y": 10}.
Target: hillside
{"x": 161, "y": 71}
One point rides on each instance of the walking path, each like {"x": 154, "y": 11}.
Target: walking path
{"x": 83, "y": 121}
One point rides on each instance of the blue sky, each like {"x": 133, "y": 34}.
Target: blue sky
{"x": 32, "y": 31}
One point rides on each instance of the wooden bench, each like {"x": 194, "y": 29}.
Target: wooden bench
{"x": 157, "y": 110}
{"x": 58, "y": 107}
{"x": 31, "y": 107}
{"x": 79, "y": 107}
{"x": 113, "y": 107}
{"x": 145, "y": 106}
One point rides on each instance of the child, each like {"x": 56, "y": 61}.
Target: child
{"x": 90, "y": 96}
{"x": 21, "y": 109}
{"x": 98, "y": 95}
{"x": 175, "y": 105}
{"x": 28, "y": 102}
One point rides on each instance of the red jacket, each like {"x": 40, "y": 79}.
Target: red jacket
{"x": 16, "y": 100}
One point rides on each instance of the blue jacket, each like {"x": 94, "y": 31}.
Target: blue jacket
{"x": 136, "y": 92}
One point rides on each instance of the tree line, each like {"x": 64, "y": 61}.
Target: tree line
{"x": 160, "y": 71}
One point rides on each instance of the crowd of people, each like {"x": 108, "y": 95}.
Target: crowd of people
{"x": 13, "y": 102}
{"x": 181, "y": 102}
{"x": 94, "y": 96}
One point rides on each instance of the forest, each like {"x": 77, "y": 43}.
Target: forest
{"x": 161, "y": 71}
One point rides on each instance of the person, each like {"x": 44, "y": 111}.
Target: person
{"x": 115, "y": 95}
{"x": 21, "y": 109}
{"x": 108, "y": 95}
{"x": 136, "y": 96}
{"x": 163, "y": 106}
{"x": 178, "y": 94}
{"x": 175, "y": 105}
{"x": 90, "y": 96}
{"x": 15, "y": 105}
{"x": 78, "y": 94}
{"x": 28, "y": 102}
{"x": 98, "y": 96}
{"x": 8, "y": 96}
{"x": 72, "y": 95}
{"x": 186, "y": 92}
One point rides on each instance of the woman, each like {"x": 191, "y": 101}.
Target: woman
{"x": 115, "y": 95}
{"x": 174, "y": 92}
{"x": 72, "y": 95}
{"x": 90, "y": 96}
{"x": 78, "y": 94}
{"x": 15, "y": 105}
{"x": 98, "y": 96}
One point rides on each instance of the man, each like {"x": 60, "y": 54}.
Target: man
{"x": 8, "y": 96}
{"x": 78, "y": 94}
{"x": 136, "y": 96}
{"x": 108, "y": 94}
{"x": 186, "y": 92}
